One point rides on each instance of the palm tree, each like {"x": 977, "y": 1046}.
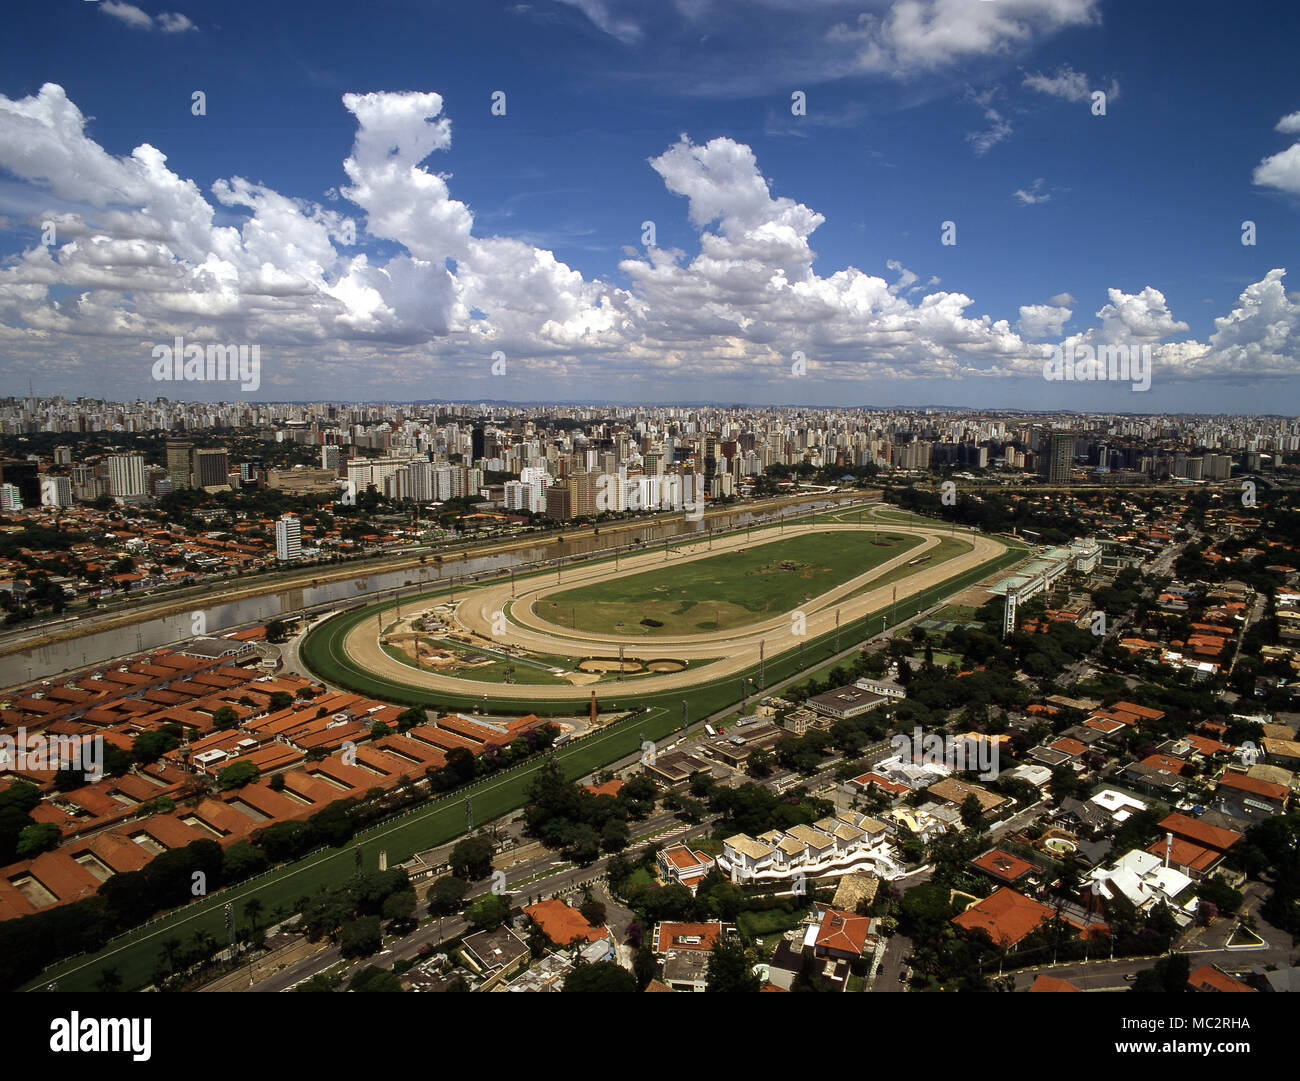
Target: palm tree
{"x": 170, "y": 948}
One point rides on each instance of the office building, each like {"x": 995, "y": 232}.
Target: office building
{"x": 1057, "y": 457}
{"x": 211, "y": 468}
{"x": 178, "y": 463}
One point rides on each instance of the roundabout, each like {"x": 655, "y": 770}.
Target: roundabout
{"x": 724, "y": 607}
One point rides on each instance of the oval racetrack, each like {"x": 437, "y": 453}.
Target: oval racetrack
{"x": 490, "y": 607}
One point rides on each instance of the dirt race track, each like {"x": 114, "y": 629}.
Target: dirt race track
{"x": 492, "y": 607}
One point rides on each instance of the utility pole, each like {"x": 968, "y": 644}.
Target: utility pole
{"x": 762, "y": 683}
{"x": 469, "y": 812}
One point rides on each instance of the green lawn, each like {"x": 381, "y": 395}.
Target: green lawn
{"x": 947, "y": 548}
{"x": 957, "y": 613}
{"x": 730, "y": 590}
{"x": 770, "y": 922}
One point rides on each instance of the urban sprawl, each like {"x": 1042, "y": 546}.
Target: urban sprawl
{"x": 485, "y": 697}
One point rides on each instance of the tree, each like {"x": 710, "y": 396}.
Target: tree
{"x": 150, "y": 746}
{"x": 471, "y": 859}
{"x": 602, "y": 977}
{"x": 372, "y": 978}
{"x": 237, "y": 775}
{"x": 592, "y": 911}
{"x": 1169, "y": 975}
{"x": 446, "y": 895}
{"x": 645, "y": 966}
{"x": 361, "y": 937}
{"x": 488, "y": 912}
{"x": 225, "y": 718}
{"x": 37, "y": 838}
{"x": 399, "y": 907}
{"x": 410, "y": 718}
{"x": 729, "y": 968}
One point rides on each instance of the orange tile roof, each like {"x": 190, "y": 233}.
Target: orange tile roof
{"x": 609, "y": 788}
{"x": 1052, "y": 983}
{"x": 1165, "y": 763}
{"x": 1200, "y": 832}
{"x": 686, "y": 936}
{"x": 562, "y": 924}
{"x": 1209, "y": 978}
{"x": 1254, "y": 785}
{"x": 1006, "y": 916}
{"x": 843, "y": 931}
{"x": 1003, "y": 865}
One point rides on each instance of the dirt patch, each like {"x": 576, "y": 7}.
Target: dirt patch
{"x": 665, "y": 666}
{"x": 609, "y": 664}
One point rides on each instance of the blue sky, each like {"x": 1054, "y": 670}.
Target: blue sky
{"x": 917, "y": 113}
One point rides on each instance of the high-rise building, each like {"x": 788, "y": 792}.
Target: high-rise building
{"x": 10, "y": 500}
{"x": 559, "y": 503}
{"x": 126, "y": 476}
{"x": 178, "y": 462}
{"x": 1058, "y": 457}
{"x": 86, "y": 485}
{"x": 56, "y": 492}
{"x": 711, "y": 464}
{"x": 582, "y": 494}
{"x": 288, "y": 538}
{"x": 211, "y": 468}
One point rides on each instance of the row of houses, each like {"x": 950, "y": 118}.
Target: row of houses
{"x": 832, "y": 846}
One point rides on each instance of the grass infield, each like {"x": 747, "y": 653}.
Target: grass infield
{"x": 729, "y": 590}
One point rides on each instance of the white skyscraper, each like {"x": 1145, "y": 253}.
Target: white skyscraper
{"x": 56, "y": 492}
{"x": 288, "y": 538}
{"x": 125, "y": 475}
